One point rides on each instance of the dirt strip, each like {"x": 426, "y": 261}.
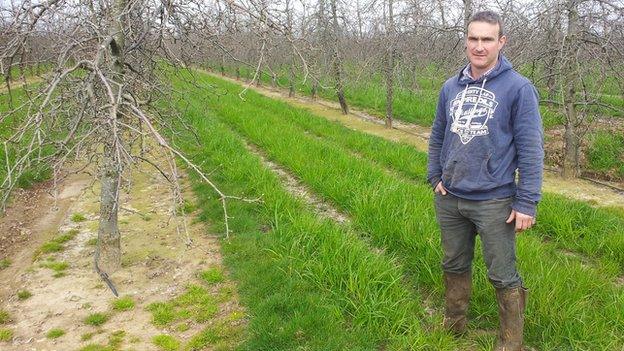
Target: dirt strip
{"x": 418, "y": 136}
{"x": 296, "y": 188}
{"x": 58, "y": 289}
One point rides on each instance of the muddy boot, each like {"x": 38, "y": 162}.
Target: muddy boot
{"x": 457, "y": 294}
{"x": 511, "y": 303}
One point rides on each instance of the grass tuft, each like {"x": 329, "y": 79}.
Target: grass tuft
{"x": 5, "y": 263}
{"x": 166, "y": 342}
{"x": 55, "y": 333}
{"x": 56, "y": 244}
{"x": 50, "y": 246}
{"x": 6, "y": 334}
{"x": 123, "y": 304}
{"x": 23, "y": 294}
{"x": 4, "y": 317}
{"x": 196, "y": 303}
{"x": 78, "y": 217}
{"x": 59, "y": 268}
{"x": 162, "y": 313}
{"x": 213, "y": 275}
{"x": 116, "y": 339}
{"x": 220, "y": 336}
{"x": 96, "y": 319}
{"x": 95, "y": 347}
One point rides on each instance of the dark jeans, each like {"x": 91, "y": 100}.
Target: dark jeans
{"x": 460, "y": 220}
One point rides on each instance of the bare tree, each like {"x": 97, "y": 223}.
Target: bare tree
{"x": 97, "y": 102}
{"x": 389, "y": 63}
{"x": 336, "y": 58}
{"x": 578, "y": 60}
{"x": 569, "y": 75}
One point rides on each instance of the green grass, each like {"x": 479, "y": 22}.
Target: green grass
{"x": 95, "y": 347}
{"x": 196, "y": 304}
{"x": 398, "y": 215}
{"x": 116, "y": 338}
{"x": 50, "y": 247}
{"x": 56, "y": 243}
{"x": 5, "y": 317}
{"x": 23, "y": 294}
{"x": 78, "y": 217}
{"x": 125, "y": 303}
{"x": 5, "y": 335}
{"x": 55, "y": 333}
{"x": 219, "y": 336}
{"x": 59, "y": 268}
{"x": 606, "y": 153}
{"x": 96, "y": 319}
{"x": 35, "y": 172}
{"x": 306, "y": 276}
{"x": 166, "y": 342}
{"x": 186, "y": 207}
{"x": 5, "y": 263}
{"x": 69, "y": 235}
{"x": 213, "y": 275}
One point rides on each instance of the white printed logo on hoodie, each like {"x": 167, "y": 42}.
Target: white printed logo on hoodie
{"x": 471, "y": 110}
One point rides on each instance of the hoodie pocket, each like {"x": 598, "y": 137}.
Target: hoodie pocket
{"x": 467, "y": 168}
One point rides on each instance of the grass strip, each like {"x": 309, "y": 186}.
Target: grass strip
{"x": 399, "y": 216}
{"x": 309, "y": 283}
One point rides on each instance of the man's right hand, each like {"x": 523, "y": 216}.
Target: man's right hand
{"x": 440, "y": 189}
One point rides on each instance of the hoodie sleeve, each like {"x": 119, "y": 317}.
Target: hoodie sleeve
{"x": 434, "y": 168}
{"x": 529, "y": 142}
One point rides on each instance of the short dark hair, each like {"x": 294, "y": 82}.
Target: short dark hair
{"x": 490, "y": 17}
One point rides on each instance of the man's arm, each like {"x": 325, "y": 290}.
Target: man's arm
{"x": 529, "y": 142}
{"x": 434, "y": 168}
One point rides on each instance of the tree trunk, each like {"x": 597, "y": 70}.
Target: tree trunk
{"x": 259, "y": 79}
{"x": 108, "y": 251}
{"x": 314, "y": 89}
{"x": 389, "y": 66}
{"x": 238, "y": 75}
{"x": 467, "y": 13}
{"x": 359, "y": 20}
{"x": 291, "y": 73}
{"x": 108, "y": 257}
{"x": 337, "y": 60}
{"x": 572, "y": 142}
{"x": 291, "y": 78}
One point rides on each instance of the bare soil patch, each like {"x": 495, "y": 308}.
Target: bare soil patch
{"x": 157, "y": 266}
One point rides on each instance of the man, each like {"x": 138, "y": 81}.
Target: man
{"x": 487, "y": 126}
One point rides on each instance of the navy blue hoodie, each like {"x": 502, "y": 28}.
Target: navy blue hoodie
{"x": 483, "y": 131}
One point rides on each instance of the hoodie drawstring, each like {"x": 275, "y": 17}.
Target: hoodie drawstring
{"x": 474, "y": 107}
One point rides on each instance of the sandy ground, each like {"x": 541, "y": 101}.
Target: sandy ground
{"x": 20, "y": 83}
{"x": 418, "y": 136}
{"x": 156, "y": 266}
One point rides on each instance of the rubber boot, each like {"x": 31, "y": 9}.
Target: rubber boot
{"x": 456, "y": 296}
{"x": 511, "y": 304}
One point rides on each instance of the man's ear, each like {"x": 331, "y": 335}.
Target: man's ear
{"x": 502, "y": 41}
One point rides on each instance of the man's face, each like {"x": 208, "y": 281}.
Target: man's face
{"x": 483, "y": 45}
